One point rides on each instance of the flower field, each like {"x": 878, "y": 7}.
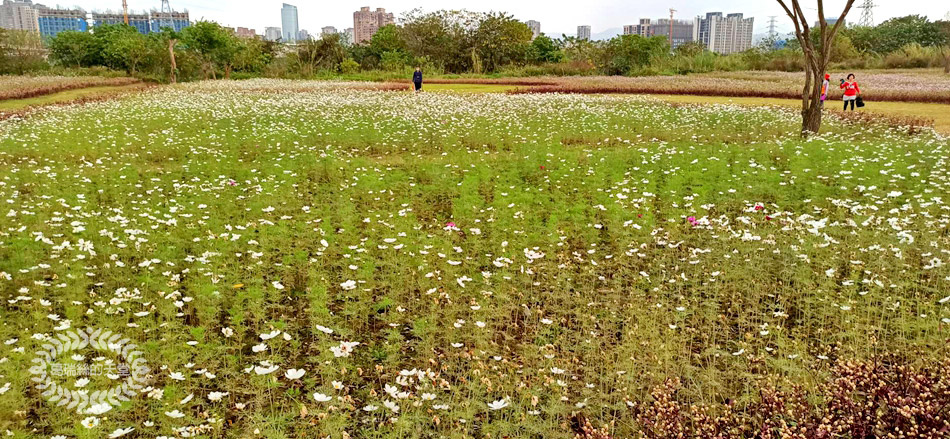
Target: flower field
{"x": 919, "y": 85}
{"x": 306, "y": 259}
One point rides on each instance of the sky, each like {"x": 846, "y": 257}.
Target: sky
{"x": 556, "y": 17}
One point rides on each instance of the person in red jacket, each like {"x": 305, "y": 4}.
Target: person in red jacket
{"x": 851, "y": 91}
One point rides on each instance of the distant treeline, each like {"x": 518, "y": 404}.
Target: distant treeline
{"x": 451, "y": 42}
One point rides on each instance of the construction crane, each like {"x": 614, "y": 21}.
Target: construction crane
{"x": 125, "y": 11}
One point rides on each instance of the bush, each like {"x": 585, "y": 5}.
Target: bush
{"x": 348, "y": 66}
{"x": 913, "y": 56}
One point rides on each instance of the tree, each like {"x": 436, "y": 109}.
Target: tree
{"x": 324, "y": 54}
{"x": 624, "y": 54}
{"x": 73, "y": 48}
{"x": 21, "y": 51}
{"x": 500, "y": 40}
{"x": 817, "y": 57}
{"x": 444, "y": 38}
{"x": 171, "y": 39}
{"x": 692, "y": 48}
{"x": 213, "y": 43}
{"x": 543, "y": 50}
{"x": 944, "y": 27}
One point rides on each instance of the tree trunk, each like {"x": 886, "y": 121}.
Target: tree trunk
{"x": 227, "y": 71}
{"x": 811, "y": 118}
{"x": 173, "y": 77}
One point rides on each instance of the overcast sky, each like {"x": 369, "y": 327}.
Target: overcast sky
{"x": 556, "y": 17}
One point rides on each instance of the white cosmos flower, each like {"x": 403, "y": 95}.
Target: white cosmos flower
{"x": 98, "y": 409}
{"x": 216, "y": 396}
{"x": 348, "y": 285}
{"x": 344, "y": 349}
{"x": 370, "y": 408}
{"x": 119, "y": 432}
{"x": 324, "y": 329}
{"x": 177, "y": 376}
{"x": 265, "y": 370}
{"x": 498, "y": 405}
{"x": 227, "y": 332}
{"x": 175, "y": 414}
{"x": 90, "y": 422}
{"x": 293, "y": 374}
{"x": 270, "y": 335}
{"x": 319, "y": 397}
{"x": 277, "y": 285}
{"x": 259, "y": 348}
{"x": 392, "y": 406}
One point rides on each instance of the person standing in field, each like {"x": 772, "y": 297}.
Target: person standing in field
{"x": 825, "y": 85}
{"x": 417, "y": 79}
{"x": 851, "y": 91}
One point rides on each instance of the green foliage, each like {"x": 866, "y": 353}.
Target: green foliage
{"x": 895, "y": 33}
{"x": 348, "y": 66}
{"x": 544, "y": 50}
{"x": 624, "y": 54}
{"x": 324, "y": 54}
{"x": 74, "y": 49}
{"x": 457, "y": 42}
{"x": 21, "y": 52}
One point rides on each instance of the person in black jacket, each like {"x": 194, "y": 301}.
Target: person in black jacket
{"x": 417, "y": 79}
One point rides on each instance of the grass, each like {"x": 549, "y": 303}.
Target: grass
{"x": 64, "y": 96}
{"x": 506, "y": 263}
{"x": 940, "y": 113}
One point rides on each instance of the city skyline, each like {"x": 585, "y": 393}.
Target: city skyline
{"x": 603, "y": 15}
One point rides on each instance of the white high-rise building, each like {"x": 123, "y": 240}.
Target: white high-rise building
{"x": 19, "y": 15}
{"x": 272, "y": 33}
{"x": 289, "y": 23}
{"x": 535, "y": 27}
{"x": 725, "y": 35}
{"x": 583, "y": 32}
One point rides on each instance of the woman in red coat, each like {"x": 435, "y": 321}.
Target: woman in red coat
{"x": 851, "y": 91}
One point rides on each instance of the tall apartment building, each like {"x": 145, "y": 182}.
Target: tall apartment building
{"x": 643, "y": 29}
{"x": 245, "y": 32}
{"x": 725, "y": 35}
{"x": 53, "y": 21}
{"x": 145, "y": 23}
{"x": 683, "y": 30}
{"x": 535, "y": 27}
{"x": 367, "y": 22}
{"x": 174, "y": 20}
{"x": 18, "y": 15}
{"x": 583, "y": 32}
{"x": 140, "y": 22}
{"x": 347, "y": 36}
{"x": 303, "y": 35}
{"x": 272, "y": 34}
{"x": 289, "y": 23}
{"x": 328, "y": 30}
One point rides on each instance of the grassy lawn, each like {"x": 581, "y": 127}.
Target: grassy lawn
{"x": 328, "y": 262}
{"x": 64, "y": 96}
{"x": 940, "y": 113}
